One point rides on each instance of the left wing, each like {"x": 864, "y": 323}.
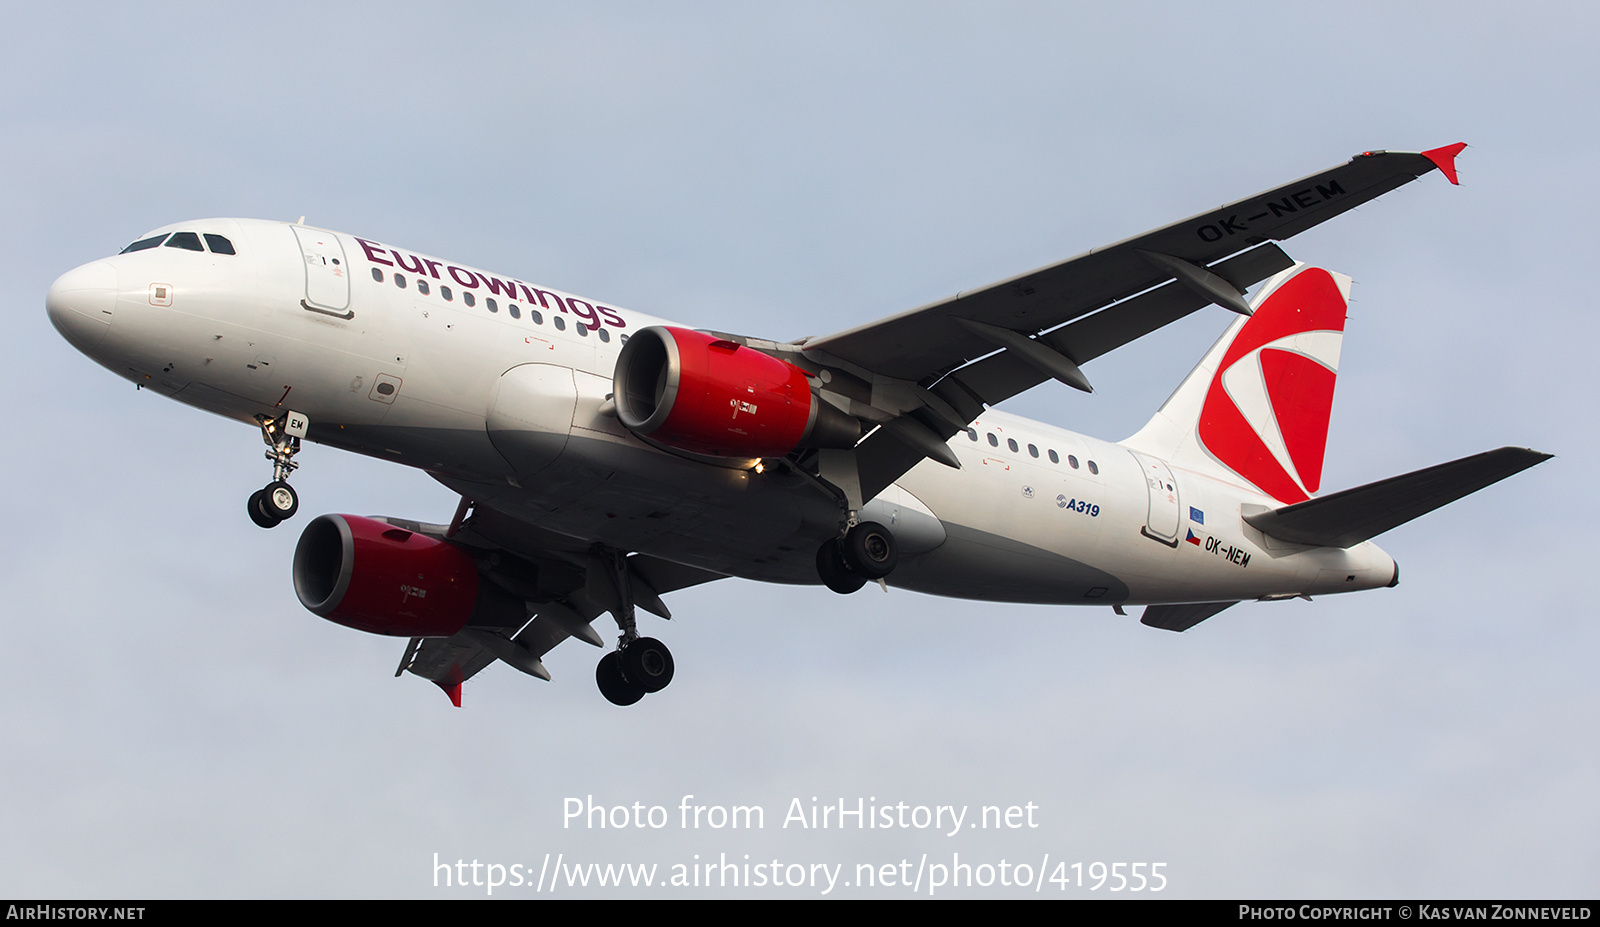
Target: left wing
{"x": 942, "y": 356}
{"x": 565, "y": 584}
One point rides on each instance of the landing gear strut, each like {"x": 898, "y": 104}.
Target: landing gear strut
{"x": 639, "y": 665}
{"x": 866, "y": 552}
{"x": 276, "y": 502}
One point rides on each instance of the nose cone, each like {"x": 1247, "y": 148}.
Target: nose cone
{"x": 80, "y": 303}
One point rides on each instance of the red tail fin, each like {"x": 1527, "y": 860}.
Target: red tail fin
{"x": 1266, "y": 414}
{"x": 1258, "y": 405}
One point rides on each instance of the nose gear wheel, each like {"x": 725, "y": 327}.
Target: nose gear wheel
{"x": 277, "y": 501}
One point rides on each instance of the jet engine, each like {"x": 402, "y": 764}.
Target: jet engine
{"x": 704, "y": 394}
{"x": 377, "y": 577}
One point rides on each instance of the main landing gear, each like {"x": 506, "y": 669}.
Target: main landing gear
{"x": 276, "y": 502}
{"x": 643, "y": 665}
{"x": 639, "y": 665}
{"x": 866, "y": 552}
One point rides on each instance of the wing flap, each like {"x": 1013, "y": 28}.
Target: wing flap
{"x": 447, "y": 662}
{"x": 1344, "y": 519}
{"x": 882, "y": 458}
{"x": 998, "y": 377}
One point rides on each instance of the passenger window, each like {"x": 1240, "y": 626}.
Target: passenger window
{"x": 1012, "y": 443}
{"x": 512, "y": 308}
{"x": 469, "y": 299}
{"x": 400, "y": 281}
{"x": 188, "y": 241}
{"x": 583, "y": 330}
{"x": 377, "y": 275}
{"x": 220, "y": 245}
{"x": 422, "y": 286}
{"x": 535, "y": 317}
{"x": 623, "y": 340}
{"x": 1072, "y": 461}
{"x": 1033, "y": 451}
{"x": 561, "y": 324}
{"x": 445, "y": 292}
{"x": 490, "y": 303}
{"x": 993, "y": 441}
{"x": 605, "y": 334}
{"x": 972, "y": 434}
{"x": 144, "y": 244}
{"x": 1054, "y": 457}
{"x": 1094, "y": 469}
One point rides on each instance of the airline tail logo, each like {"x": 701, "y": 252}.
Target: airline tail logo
{"x": 1266, "y": 412}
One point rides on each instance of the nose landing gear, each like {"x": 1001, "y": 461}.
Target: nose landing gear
{"x": 276, "y": 502}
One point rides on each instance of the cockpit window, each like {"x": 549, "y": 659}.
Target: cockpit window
{"x": 219, "y": 245}
{"x": 188, "y": 241}
{"x": 144, "y": 244}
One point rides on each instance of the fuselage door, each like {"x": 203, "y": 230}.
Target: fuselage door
{"x": 1163, "y": 521}
{"x": 327, "y": 273}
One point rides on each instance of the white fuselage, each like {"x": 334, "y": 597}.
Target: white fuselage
{"x": 508, "y": 407}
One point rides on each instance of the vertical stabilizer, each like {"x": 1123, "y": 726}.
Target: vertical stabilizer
{"x": 1256, "y": 408}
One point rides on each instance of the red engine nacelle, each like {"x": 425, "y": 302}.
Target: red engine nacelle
{"x": 708, "y": 395}
{"x": 376, "y": 577}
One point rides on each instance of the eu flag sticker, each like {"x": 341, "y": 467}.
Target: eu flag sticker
{"x": 1197, "y": 516}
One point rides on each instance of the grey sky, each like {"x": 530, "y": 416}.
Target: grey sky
{"x": 174, "y": 724}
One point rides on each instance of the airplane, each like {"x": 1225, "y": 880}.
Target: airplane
{"x": 605, "y": 458}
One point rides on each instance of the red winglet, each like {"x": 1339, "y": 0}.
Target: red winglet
{"x": 1445, "y": 159}
{"x": 454, "y": 691}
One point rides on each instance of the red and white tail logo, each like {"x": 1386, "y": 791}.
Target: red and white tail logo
{"x": 1266, "y": 413}
{"x": 1256, "y": 407}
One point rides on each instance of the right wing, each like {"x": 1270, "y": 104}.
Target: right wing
{"x": 928, "y": 341}
{"x": 1050, "y": 321}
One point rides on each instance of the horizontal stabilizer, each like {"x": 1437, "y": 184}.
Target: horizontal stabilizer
{"x": 1345, "y": 519}
{"x": 1181, "y": 617}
